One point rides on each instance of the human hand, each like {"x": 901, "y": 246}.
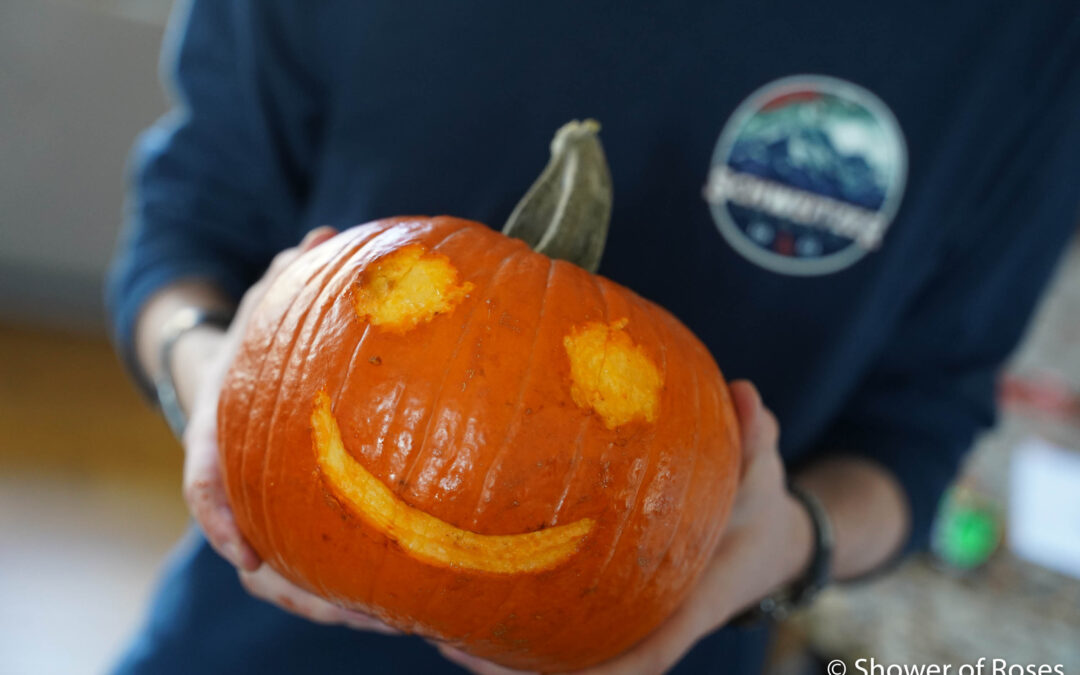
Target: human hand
{"x": 204, "y": 357}
{"x": 767, "y": 542}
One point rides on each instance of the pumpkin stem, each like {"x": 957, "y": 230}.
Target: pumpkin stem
{"x": 565, "y": 214}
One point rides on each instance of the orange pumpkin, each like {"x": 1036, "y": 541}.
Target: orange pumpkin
{"x": 430, "y": 422}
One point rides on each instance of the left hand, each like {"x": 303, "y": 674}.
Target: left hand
{"x": 767, "y": 543}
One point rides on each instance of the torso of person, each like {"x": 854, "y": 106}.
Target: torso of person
{"x": 788, "y": 183}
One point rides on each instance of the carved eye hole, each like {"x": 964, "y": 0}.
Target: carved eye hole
{"x": 408, "y": 287}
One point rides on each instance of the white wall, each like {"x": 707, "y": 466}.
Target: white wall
{"x": 78, "y": 81}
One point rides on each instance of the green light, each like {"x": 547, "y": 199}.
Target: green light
{"x": 967, "y": 532}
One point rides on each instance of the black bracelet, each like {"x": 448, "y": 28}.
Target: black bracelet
{"x": 178, "y": 324}
{"x": 778, "y": 606}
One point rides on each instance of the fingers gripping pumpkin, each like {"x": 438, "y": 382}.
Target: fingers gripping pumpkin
{"x": 431, "y": 422}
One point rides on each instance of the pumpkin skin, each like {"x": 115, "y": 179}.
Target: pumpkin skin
{"x": 477, "y": 415}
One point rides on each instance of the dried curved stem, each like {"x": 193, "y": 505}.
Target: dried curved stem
{"x": 565, "y": 214}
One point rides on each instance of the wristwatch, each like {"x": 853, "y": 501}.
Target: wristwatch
{"x": 778, "y": 606}
{"x": 175, "y": 327}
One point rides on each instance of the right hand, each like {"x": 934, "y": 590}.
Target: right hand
{"x": 206, "y": 355}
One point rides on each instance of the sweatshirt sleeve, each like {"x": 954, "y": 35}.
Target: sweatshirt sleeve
{"x": 932, "y": 388}
{"x": 217, "y": 184}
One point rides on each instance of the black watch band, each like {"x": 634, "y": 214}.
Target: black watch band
{"x": 780, "y": 605}
{"x": 181, "y": 322}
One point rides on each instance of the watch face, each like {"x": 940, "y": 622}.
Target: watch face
{"x": 807, "y": 175}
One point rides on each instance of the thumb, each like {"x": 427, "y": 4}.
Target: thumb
{"x": 316, "y": 237}
{"x": 204, "y": 492}
{"x": 758, "y": 427}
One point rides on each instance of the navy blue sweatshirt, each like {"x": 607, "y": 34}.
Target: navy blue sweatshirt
{"x": 855, "y": 205}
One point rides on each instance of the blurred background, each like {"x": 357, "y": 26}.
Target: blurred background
{"x": 89, "y": 476}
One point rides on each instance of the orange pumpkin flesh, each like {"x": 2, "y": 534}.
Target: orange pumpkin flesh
{"x": 431, "y": 423}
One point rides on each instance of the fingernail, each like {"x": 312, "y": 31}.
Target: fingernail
{"x": 249, "y": 561}
{"x": 756, "y": 393}
{"x": 312, "y": 234}
{"x": 232, "y": 553}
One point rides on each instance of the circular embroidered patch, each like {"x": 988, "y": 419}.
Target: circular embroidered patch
{"x": 807, "y": 175}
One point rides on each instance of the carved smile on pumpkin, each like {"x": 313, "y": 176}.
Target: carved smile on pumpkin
{"x": 424, "y": 536}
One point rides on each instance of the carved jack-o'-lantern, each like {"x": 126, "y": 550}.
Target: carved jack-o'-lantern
{"x": 430, "y": 422}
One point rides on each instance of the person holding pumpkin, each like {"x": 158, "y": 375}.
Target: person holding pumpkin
{"x": 856, "y": 257}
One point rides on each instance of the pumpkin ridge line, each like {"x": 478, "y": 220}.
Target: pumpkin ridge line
{"x": 552, "y": 270}
{"x": 649, "y": 462}
{"x": 336, "y": 398}
{"x": 378, "y": 567}
{"x": 360, "y": 345}
{"x": 272, "y": 526}
{"x": 613, "y": 547}
{"x": 722, "y": 409}
{"x": 248, "y": 441}
{"x": 436, "y": 399}
{"x": 399, "y": 394}
{"x": 313, "y": 495}
{"x": 264, "y": 471}
{"x": 571, "y": 474}
{"x": 496, "y": 461}
{"x": 705, "y": 550}
{"x": 663, "y": 553}
{"x": 412, "y": 529}
{"x": 245, "y": 446}
{"x": 432, "y": 598}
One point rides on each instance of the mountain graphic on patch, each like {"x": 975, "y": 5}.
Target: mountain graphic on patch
{"x": 807, "y": 175}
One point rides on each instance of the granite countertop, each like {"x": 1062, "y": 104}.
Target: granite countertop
{"x": 923, "y": 613}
